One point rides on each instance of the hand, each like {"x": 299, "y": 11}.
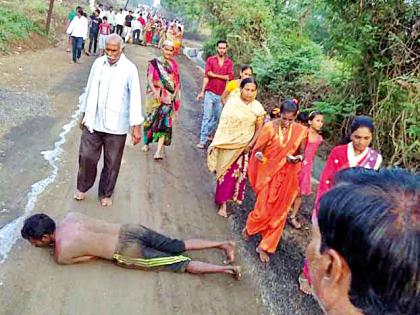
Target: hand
{"x": 248, "y": 149}
{"x": 260, "y": 156}
{"x": 294, "y": 159}
{"x": 200, "y": 96}
{"x": 81, "y": 125}
{"x": 135, "y": 135}
{"x": 210, "y": 150}
{"x": 156, "y": 95}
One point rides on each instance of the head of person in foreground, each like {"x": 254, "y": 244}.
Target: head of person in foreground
{"x": 364, "y": 253}
{"x": 39, "y": 230}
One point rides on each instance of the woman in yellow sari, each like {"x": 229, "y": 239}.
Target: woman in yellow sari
{"x": 240, "y": 122}
{"x": 232, "y": 88}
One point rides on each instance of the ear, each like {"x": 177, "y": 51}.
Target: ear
{"x": 335, "y": 279}
{"x": 46, "y": 238}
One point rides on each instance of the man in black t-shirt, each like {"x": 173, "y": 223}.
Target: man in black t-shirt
{"x": 127, "y": 25}
{"x": 94, "y": 22}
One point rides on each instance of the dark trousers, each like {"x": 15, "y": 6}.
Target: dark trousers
{"x": 136, "y": 36}
{"x": 77, "y": 43}
{"x": 93, "y": 39}
{"x": 120, "y": 29}
{"x": 91, "y": 145}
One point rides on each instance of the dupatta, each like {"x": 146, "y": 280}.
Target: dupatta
{"x": 235, "y": 131}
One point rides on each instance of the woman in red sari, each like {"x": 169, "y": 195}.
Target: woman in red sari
{"x": 273, "y": 174}
{"x": 355, "y": 153}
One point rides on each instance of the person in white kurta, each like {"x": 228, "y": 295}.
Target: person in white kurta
{"x": 111, "y": 107}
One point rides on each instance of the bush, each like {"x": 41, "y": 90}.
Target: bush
{"x": 14, "y": 26}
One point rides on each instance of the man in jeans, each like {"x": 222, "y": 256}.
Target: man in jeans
{"x": 219, "y": 70}
{"x": 78, "y": 32}
{"x": 95, "y": 21}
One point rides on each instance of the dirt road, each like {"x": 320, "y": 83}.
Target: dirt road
{"x": 173, "y": 196}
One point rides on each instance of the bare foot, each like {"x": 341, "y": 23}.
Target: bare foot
{"x": 264, "y": 257}
{"x": 200, "y": 146}
{"x": 245, "y": 235}
{"x": 106, "y": 202}
{"x": 223, "y": 211}
{"x": 158, "y": 157}
{"x": 304, "y": 285}
{"x": 236, "y": 272}
{"x": 145, "y": 148}
{"x": 295, "y": 223}
{"x": 79, "y": 196}
{"x": 229, "y": 248}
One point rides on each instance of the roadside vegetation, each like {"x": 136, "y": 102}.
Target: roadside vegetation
{"x": 341, "y": 57}
{"x": 22, "y": 23}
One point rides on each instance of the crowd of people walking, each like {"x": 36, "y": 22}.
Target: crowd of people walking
{"x": 141, "y": 26}
{"x": 274, "y": 151}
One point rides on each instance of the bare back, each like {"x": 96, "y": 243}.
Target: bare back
{"x": 80, "y": 238}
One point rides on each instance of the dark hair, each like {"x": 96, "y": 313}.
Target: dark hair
{"x": 372, "y": 219}
{"x": 274, "y": 112}
{"x": 37, "y": 226}
{"x": 248, "y": 80}
{"x": 105, "y": 18}
{"x": 222, "y": 41}
{"x": 357, "y": 122}
{"x": 246, "y": 67}
{"x": 80, "y": 11}
{"x": 302, "y": 118}
{"x": 289, "y": 106}
{"x": 313, "y": 114}
{"x": 361, "y": 121}
{"x": 97, "y": 11}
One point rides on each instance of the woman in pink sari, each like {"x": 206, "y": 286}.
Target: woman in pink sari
{"x": 356, "y": 153}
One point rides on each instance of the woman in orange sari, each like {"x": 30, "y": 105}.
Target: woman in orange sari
{"x": 273, "y": 173}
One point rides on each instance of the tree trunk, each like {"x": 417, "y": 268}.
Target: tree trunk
{"x": 50, "y": 10}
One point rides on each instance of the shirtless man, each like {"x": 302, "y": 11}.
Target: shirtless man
{"x": 80, "y": 239}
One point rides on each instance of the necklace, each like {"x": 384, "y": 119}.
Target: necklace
{"x": 281, "y": 136}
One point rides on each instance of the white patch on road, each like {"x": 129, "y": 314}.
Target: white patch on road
{"x": 11, "y": 231}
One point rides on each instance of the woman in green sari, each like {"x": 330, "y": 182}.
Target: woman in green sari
{"x": 162, "y": 99}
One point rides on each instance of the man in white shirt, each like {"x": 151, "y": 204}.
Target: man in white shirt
{"x": 111, "y": 107}
{"x": 77, "y": 31}
{"x": 119, "y": 20}
{"x": 111, "y": 19}
{"x": 136, "y": 29}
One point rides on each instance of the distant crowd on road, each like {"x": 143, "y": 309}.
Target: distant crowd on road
{"x": 141, "y": 26}
{"x": 364, "y": 254}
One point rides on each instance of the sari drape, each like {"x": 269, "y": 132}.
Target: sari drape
{"x": 274, "y": 182}
{"x": 234, "y": 132}
{"x": 159, "y": 112}
{"x": 227, "y": 158}
{"x": 339, "y": 159}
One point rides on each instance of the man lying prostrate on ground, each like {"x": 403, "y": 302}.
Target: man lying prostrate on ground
{"x": 79, "y": 238}
{"x": 364, "y": 253}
